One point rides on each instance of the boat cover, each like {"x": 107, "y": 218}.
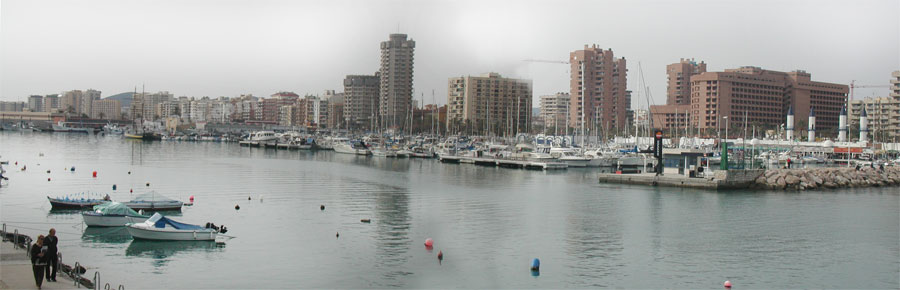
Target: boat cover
{"x": 115, "y": 208}
{"x": 152, "y": 196}
{"x": 160, "y": 221}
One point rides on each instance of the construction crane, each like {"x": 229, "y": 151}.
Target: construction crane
{"x": 546, "y": 61}
{"x": 853, "y": 86}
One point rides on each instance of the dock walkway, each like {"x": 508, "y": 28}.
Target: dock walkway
{"x": 16, "y": 272}
{"x": 506, "y": 163}
{"x": 722, "y": 179}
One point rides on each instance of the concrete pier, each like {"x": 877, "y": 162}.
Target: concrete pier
{"x": 720, "y": 180}
{"x": 507, "y": 163}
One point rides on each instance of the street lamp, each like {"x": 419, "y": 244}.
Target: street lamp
{"x": 726, "y": 128}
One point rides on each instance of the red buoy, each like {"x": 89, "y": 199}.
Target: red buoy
{"x": 728, "y": 284}
{"x": 440, "y": 255}
{"x": 192, "y": 199}
{"x": 429, "y": 242}
{"x": 48, "y": 178}
{"x": 95, "y": 174}
{"x": 131, "y": 190}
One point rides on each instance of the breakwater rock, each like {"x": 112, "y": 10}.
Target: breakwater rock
{"x": 818, "y": 178}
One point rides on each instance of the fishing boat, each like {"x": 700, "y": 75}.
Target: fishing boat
{"x": 112, "y": 214}
{"x": 158, "y": 227}
{"x": 75, "y": 203}
{"x": 152, "y": 201}
{"x": 61, "y": 127}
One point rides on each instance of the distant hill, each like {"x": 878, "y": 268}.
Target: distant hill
{"x": 124, "y": 98}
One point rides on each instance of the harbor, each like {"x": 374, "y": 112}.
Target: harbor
{"x": 471, "y": 212}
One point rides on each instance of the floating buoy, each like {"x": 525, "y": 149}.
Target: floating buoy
{"x": 191, "y": 199}
{"x": 536, "y": 264}
{"x": 429, "y": 243}
{"x": 48, "y": 178}
{"x": 129, "y": 172}
{"x": 95, "y": 174}
{"x": 322, "y": 207}
{"x": 237, "y": 207}
{"x": 17, "y": 162}
{"x": 131, "y": 190}
{"x": 72, "y": 169}
{"x": 48, "y": 171}
{"x": 337, "y": 235}
{"x": 366, "y": 220}
{"x": 248, "y": 198}
{"x": 728, "y": 284}
{"x": 114, "y": 187}
{"x": 148, "y": 184}
{"x": 440, "y": 256}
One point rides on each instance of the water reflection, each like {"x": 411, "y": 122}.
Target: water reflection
{"x": 392, "y": 239}
{"x": 162, "y": 252}
{"x": 112, "y": 235}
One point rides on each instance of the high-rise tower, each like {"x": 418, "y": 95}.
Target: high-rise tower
{"x": 396, "y": 80}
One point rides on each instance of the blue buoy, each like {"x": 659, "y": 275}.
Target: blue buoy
{"x": 114, "y": 187}
{"x": 536, "y": 264}
{"x": 73, "y": 169}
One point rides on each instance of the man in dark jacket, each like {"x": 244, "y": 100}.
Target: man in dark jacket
{"x": 52, "y": 259}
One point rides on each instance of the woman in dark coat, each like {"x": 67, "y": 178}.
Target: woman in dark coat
{"x": 38, "y": 260}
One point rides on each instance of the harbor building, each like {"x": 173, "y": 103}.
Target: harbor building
{"x": 335, "y": 110}
{"x": 271, "y": 107}
{"x": 78, "y": 101}
{"x": 36, "y": 103}
{"x": 361, "y": 100}
{"x": 676, "y": 112}
{"x": 106, "y": 109}
{"x": 489, "y": 104}
{"x": 396, "y": 80}
{"x": 12, "y": 106}
{"x": 553, "y": 110}
{"x": 598, "y": 87}
{"x": 678, "y": 78}
{"x": 883, "y": 118}
{"x": 51, "y": 103}
{"x": 144, "y": 105}
{"x": 895, "y": 85}
{"x": 764, "y": 97}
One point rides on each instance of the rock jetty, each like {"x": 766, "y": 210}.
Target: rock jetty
{"x": 818, "y": 178}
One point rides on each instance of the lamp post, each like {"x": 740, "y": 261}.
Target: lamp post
{"x": 726, "y": 128}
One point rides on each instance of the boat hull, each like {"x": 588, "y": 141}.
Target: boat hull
{"x": 100, "y": 220}
{"x": 73, "y": 204}
{"x": 156, "y": 206}
{"x": 168, "y": 234}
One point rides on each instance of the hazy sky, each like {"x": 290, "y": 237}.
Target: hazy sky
{"x": 228, "y": 48}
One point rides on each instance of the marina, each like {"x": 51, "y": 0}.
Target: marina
{"x": 603, "y": 233}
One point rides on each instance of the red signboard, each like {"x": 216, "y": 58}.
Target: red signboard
{"x": 844, "y": 149}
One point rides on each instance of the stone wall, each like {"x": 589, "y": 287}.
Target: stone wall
{"x": 817, "y": 178}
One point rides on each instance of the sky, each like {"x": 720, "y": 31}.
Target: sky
{"x": 228, "y": 48}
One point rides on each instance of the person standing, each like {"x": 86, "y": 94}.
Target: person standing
{"x": 52, "y": 255}
{"x": 38, "y": 260}
{"x": 789, "y": 162}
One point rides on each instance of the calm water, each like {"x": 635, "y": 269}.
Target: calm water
{"x": 488, "y": 222}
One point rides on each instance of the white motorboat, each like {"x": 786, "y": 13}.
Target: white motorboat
{"x": 112, "y": 214}
{"x": 264, "y": 136}
{"x": 351, "y": 147}
{"x": 383, "y": 152}
{"x": 153, "y": 201}
{"x": 601, "y": 159}
{"x": 158, "y": 227}
{"x": 569, "y": 156}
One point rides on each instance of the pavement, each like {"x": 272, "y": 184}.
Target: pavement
{"x": 16, "y": 271}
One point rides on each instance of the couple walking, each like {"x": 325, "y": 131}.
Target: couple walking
{"x": 44, "y": 256}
